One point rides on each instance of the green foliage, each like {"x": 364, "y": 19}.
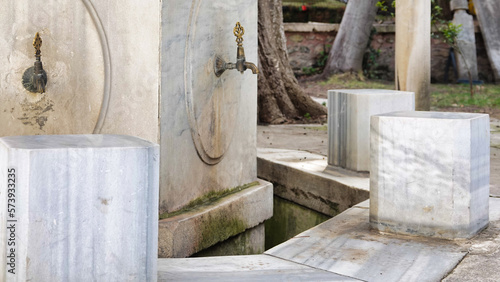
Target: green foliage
{"x": 307, "y": 115}
{"x": 323, "y": 56}
{"x": 384, "y": 7}
{"x": 436, "y": 13}
{"x": 450, "y": 34}
{"x": 310, "y": 70}
{"x": 320, "y": 63}
{"x": 370, "y": 57}
{"x": 329, "y": 11}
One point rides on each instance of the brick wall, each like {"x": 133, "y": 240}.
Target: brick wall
{"x": 306, "y": 41}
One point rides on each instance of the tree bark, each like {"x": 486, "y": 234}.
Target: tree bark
{"x": 280, "y": 98}
{"x": 351, "y": 41}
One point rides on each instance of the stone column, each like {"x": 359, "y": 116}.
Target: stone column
{"x": 78, "y": 208}
{"x": 487, "y": 14}
{"x": 467, "y": 61}
{"x": 413, "y": 49}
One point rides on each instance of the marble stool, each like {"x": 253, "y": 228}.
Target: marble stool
{"x": 430, "y": 173}
{"x": 349, "y": 114}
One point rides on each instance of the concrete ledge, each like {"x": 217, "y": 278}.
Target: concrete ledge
{"x": 311, "y": 27}
{"x": 304, "y": 178}
{"x": 193, "y": 231}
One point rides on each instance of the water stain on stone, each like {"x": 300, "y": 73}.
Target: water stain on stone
{"x": 35, "y": 113}
{"x": 428, "y": 209}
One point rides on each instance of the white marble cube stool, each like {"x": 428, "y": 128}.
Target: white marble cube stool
{"x": 430, "y": 173}
{"x": 349, "y": 114}
{"x": 78, "y": 208}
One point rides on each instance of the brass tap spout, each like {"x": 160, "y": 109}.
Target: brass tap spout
{"x": 252, "y": 66}
{"x": 241, "y": 65}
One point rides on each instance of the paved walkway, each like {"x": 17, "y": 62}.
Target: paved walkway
{"x": 344, "y": 248}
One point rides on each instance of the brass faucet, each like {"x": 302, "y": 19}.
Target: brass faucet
{"x": 241, "y": 65}
{"x": 35, "y": 78}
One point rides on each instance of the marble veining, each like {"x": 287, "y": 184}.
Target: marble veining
{"x": 349, "y": 114}
{"x": 86, "y": 208}
{"x": 430, "y": 173}
{"x": 208, "y": 123}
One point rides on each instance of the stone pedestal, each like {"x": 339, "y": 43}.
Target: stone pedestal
{"x": 430, "y": 173}
{"x": 349, "y": 114}
{"x": 78, "y": 208}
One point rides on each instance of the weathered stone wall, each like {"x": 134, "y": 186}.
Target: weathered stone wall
{"x": 305, "y": 42}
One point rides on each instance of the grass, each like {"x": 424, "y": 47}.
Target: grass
{"x": 442, "y": 95}
{"x": 350, "y": 81}
{"x": 458, "y": 95}
{"x": 317, "y": 128}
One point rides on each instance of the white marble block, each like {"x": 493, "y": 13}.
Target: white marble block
{"x": 430, "y": 173}
{"x": 349, "y": 114}
{"x": 78, "y": 208}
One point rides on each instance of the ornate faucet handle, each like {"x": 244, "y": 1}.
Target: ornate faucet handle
{"x": 35, "y": 78}
{"x": 238, "y": 32}
{"x": 37, "y": 43}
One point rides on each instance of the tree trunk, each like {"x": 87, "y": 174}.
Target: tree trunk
{"x": 489, "y": 21}
{"x": 280, "y": 98}
{"x": 351, "y": 41}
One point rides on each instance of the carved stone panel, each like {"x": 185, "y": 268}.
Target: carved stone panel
{"x": 101, "y": 60}
{"x": 208, "y": 123}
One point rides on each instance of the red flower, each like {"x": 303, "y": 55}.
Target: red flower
{"x": 304, "y": 7}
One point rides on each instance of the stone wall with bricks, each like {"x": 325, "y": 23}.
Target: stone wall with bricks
{"x": 307, "y": 42}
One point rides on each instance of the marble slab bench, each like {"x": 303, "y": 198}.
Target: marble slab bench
{"x": 430, "y": 173}
{"x": 349, "y": 114}
{"x": 78, "y": 208}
